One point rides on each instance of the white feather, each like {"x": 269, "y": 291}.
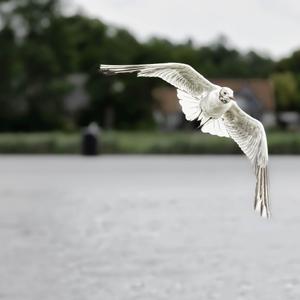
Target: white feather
{"x": 189, "y": 104}
{"x": 199, "y": 100}
{"x": 250, "y": 135}
{"x": 182, "y": 76}
{"x": 215, "y": 127}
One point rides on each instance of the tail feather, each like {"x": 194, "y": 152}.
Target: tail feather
{"x": 261, "y": 203}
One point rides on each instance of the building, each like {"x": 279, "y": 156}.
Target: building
{"x": 255, "y": 96}
{"x": 167, "y": 110}
{"x": 78, "y": 97}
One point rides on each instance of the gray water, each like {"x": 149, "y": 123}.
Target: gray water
{"x": 146, "y": 227}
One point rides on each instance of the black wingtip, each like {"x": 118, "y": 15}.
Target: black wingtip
{"x": 105, "y": 71}
{"x": 202, "y": 124}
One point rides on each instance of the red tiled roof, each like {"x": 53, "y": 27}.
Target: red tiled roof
{"x": 166, "y": 99}
{"x": 167, "y": 102}
{"x": 261, "y": 88}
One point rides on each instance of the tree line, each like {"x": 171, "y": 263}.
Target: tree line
{"x": 40, "y": 46}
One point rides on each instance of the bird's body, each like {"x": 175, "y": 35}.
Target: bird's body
{"x": 214, "y": 107}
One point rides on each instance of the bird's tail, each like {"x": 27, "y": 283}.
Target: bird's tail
{"x": 261, "y": 203}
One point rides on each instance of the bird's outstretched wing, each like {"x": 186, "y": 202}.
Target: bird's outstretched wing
{"x": 250, "y": 135}
{"x": 182, "y": 76}
{"x": 191, "y": 86}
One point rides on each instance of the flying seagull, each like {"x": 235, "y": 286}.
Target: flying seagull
{"x": 214, "y": 107}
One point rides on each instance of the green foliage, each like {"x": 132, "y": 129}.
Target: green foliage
{"x": 143, "y": 142}
{"x": 286, "y": 91}
{"x": 40, "y": 47}
{"x": 291, "y": 63}
{"x": 39, "y": 143}
{"x": 288, "y": 74}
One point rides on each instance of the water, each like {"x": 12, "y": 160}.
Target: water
{"x": 146, "y": 227}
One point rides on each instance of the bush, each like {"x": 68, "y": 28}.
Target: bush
{"x": 141, "y": 143}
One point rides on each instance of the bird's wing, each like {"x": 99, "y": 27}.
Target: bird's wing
{"x": 214, "y": 127}
{"x": 191, "y": 108}
{"x": 250, "y": 135}
{"x": 182, "y": 76}
{"x": 191, "y": 86}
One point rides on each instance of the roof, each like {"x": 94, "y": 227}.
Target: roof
{"x": 261, "y": 88}
{"x": 166, "y": 99}
{"x": 167, "y": 102}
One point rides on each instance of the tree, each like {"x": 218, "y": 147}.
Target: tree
{"x": 35, "y": 83}
{"x": 40, "y": 47}
{"x": 286, "y": 91}
{"x": 291, "y": 63}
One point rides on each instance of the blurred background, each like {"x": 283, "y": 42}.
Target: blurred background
{"x": 128, "y": 227}
{"x": 51, "y": 88}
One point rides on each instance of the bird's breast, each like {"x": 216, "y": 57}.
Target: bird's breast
{"x": 213, "y": 107}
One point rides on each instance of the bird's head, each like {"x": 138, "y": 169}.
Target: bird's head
{"x": 226, "y": 95}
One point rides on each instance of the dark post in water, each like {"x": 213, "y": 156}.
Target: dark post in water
{"x": 90, "y": 142}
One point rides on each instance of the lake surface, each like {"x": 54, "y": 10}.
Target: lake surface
{"x": 146, "y": 227}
